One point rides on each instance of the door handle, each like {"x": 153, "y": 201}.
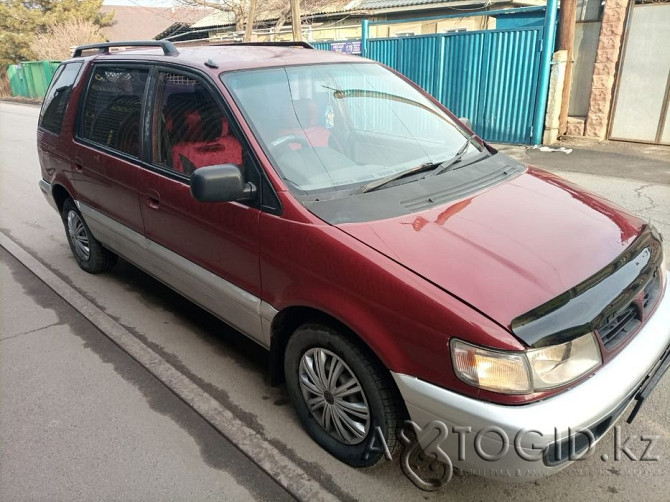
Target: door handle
{"x": 153, "y": 199}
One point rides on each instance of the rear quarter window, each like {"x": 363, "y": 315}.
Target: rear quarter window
{"x": 58, "y": 95}
{"x": 112, "y": 108}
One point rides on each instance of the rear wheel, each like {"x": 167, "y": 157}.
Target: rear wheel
{"x": 343, "y": 396}
{"x": 90, "y": 255}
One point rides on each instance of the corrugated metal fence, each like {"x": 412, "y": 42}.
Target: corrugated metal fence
{"x": 490, "y": 77}
{"x": 324, "y": 46}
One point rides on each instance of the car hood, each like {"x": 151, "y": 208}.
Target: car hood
{"x": 509, "y": 248}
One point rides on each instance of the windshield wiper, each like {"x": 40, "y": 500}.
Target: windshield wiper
{"x": 448, "y": 165}
{"x": 439, "y": 167}
{"x": 369, "y": 93}
{"x": 374, "y": 185}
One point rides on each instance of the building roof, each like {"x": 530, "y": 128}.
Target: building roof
{"x": 139, "y": 23}
{"x": 270, "y": 10}
{"x": 391, "y": 4}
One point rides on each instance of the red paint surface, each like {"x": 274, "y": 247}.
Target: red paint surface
{"x": 508, "y": 249}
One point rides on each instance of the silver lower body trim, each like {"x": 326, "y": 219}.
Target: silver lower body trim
{"x": 45, "y": 186}
{"x": 235, "y": 306}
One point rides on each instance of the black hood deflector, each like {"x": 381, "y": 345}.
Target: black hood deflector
{"x": 592, "y": 303}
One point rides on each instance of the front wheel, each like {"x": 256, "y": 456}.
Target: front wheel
{"x": 343, "y": 396}
{"x": 91, "y": 256}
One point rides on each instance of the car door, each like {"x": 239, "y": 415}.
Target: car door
{"x": 208, "y": 251}
{"x": 106, "y": 155}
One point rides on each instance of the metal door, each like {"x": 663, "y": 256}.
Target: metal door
{"x": 640, "y": 111}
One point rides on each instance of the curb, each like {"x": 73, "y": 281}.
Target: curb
{"x": 284, "y": 471}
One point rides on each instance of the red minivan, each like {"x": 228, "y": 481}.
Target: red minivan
{"x": 398, "y": 269}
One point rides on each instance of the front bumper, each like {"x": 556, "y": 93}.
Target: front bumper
{"x": 543, "y": 426}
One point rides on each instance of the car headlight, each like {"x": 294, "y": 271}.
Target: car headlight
{"x": 560, "y": 364}
{"x": 525, "y": 372}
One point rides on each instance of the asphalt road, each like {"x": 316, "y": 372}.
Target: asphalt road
{"x": 163, "y": 455}
{"x": 81, "y": 420}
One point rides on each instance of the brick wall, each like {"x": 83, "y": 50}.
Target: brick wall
{"x": 607, "y": 56}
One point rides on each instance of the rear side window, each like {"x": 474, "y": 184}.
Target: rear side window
{"x": 111, "y": 114}
{"x": 55, "y": 102}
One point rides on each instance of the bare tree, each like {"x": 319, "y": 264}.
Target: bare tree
{"x": 243, "y": 13}
{"x": 239, "y": 10}
{"x": 282, "y": 15}
{"x": 57, "y": 41}
{"x": 251, "y": 16}
{"x": 5, "y": 89}
{"x": 295, "y": 20}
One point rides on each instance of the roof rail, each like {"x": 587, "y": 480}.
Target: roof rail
{"x": 284, "y": 43}
{"x": 103, "y": 48}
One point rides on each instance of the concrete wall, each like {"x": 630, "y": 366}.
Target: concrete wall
{"x": 586, "y": 46}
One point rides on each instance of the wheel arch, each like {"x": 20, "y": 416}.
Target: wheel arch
{"x": 60, "y": 195}
{"x": 289, "y": 319}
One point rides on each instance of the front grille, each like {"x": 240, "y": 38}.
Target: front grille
{"x": 622, "y": 324}
{"x": 652, "y": 291}
{"x": 618, "y": 329}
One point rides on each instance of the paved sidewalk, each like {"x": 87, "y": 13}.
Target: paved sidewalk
{"x": 82, "y": 420}
{"x": 632, "y": 161}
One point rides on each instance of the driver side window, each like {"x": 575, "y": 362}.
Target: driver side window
{"x": 189, "y": 128}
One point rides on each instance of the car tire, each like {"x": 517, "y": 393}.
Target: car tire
{"x": 90, "y": 255}
{"x": 356, "y": 368}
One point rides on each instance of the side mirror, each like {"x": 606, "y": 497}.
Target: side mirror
{"x": 220, "y": 183}
{"x": 466, "y": 122}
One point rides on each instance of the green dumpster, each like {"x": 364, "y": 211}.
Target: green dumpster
{"x": 17, "y": 80}
{"x": 31, "y": 79}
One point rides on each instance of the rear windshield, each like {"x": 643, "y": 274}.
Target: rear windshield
{"x": 331, "y": 127}
{"x": 58, "y": 95}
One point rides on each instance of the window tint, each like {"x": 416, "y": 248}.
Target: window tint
{"x": 190, "y": 131}
{"x": 55, "y": 102}
{"x": 111, "y": 115}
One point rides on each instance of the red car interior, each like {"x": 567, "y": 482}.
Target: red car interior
{"x": 198, "y": 132}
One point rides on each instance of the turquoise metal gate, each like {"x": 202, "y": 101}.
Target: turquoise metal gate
{"x": 499, "y": 79}
{"x": 490, "y": 77}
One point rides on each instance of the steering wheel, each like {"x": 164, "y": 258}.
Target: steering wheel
{"x": 280, "y": 144}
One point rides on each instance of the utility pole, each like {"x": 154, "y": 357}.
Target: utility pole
{"x": 250, "y": 21}
{"x": 295, "y": 20}
{"x": 566, "y": 41}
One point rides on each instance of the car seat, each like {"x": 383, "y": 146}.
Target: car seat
{"x": 306, "y": 111}
{"x": 199, "y": 133}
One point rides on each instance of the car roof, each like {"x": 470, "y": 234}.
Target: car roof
{"x": 230, "y": 57}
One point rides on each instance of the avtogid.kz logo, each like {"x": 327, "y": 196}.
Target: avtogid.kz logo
{"x": 439, "y": 463}
{"x": 429, "y": 467}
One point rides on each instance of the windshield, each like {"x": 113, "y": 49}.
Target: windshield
{"x": 328, "y": 127}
